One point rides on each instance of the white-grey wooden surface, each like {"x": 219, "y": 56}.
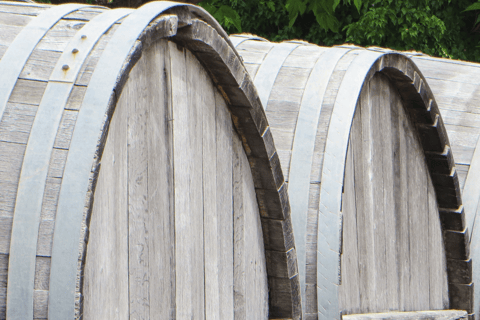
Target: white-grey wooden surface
{"x": 378, "y": 184}
{"x": 392, "y": 256}
{"x": 187, "y": 250}
{"x": 165, "y": 241}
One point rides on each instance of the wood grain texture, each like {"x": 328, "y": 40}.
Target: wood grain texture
{"x": 106, "y": 275}
{"x": 239, "y": 250}
{"x": 138, "y": 226}
{"x": 145, "y": 143}
{"x": 160, "y": 184}
{"x": 189, "y": 231}
{"x": 224, "y": 206}
{"x": 420, "y": 315}
{"x": 211, "y": 217}
{"x": 401, "y": 260}
{"x": 188, "y": 185}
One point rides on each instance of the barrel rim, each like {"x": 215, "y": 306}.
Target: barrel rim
{"x": 401, "y": 69}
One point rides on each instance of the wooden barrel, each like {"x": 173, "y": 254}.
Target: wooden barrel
{"x": 455, "y": 86}
{"x": 376, "y": 206}
{"x": 138, "y": 174}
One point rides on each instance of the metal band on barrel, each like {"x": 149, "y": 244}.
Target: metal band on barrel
{"x": 303, "y": 148}
{"x": 333, "y": 169}
{"x": 269, "y": 69}
{"x": 33, "y": 176}
{"x": 20, "y": 302}
{"x": 17, "y": 54}
{"x": 81, "y": 154}
{"x": 239, "y": 39}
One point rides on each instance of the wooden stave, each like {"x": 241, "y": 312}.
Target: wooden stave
{"x": 252, "y": 57}
{"x": 261, "y": 147}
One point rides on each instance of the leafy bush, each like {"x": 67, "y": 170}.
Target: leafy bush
{"x": 440, "y": 27}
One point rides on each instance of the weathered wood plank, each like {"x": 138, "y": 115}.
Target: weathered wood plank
{"x": 45, "y": 238}
{"x": 256, "y": 46}
{"x": 76, "y": 98}
{"x": 42, "y": 273}
{"x": 65, "y": 129}
{"x": 106, "y": 291}
{"x": 50, "y": 198}
{"x": 256, "y": 287}
{"x": 40, "y": 304}
{"x": 462, "y": 171}
{"x": 389, "y": 100}
{"x": 401, "y": 205}
{"x": 84, "y": 14}
{"x": 188, "y": 185}
{"x": 8, "y": 34}
{"x": 3, "y": 302}
{"x": 436, "y": 255}
{"x": 40, "y": 65}
{"x": 211, "y": 219}
{"x": 28, "y": 92}
{"x": 11, "y": 19}
{"x": 365, "y": 216}
{"x": 349, "y": 288}
{"x": 252, "y": 69}
{"x": 57, "y": 163}
{"x": 3, "y": 270}
{"x": 57, "y": 38}
{"x": 90, "y": 63}
{"x": 32, "y": 10}
{"x": 11, "y": 157}
{"x": 379, "y": 94}
{"x": 239, "y": 282}
{"x": 462, "y": 141}
{"x": 292, "y": 77}
{"x": 160, "y": 185}
{"x": 17, "y": 122}
{"x": 224, "y": 176}
{"x": 138, "y": 226}
{"x": 419, "y": 315}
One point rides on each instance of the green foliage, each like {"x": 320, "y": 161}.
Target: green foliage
{"x": 223, "y": 14}
{"x": 475, "y": 6}
{"x": 445, "y": 28}
{"x": 399, "y": 25}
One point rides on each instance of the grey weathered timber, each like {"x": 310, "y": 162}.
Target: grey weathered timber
{"x": 275, "y": 215}
{"x": 303, "y": 148}
{"x": 242, "y": 38}
{"x": 110, "y": 219}
{"x": 18, "y": 52}
{"x": 417, "y": 184}
{"x": 225, "y": 214}
{"x": 329, "y": 230}
{"x": 267, "y": 73}
{"x": 109, "y": 242}
{"x": 28, "y": 206}
{"x": 419, "y": 315}
{"x": 77, "y": 168}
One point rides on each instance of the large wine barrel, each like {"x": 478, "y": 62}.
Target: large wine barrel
{"x": 138, "y": 175}
{"x": 376, "y": 206}
{"x": 455, "y": 86}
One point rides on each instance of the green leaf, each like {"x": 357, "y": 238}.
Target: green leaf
{"x": 335, "y": 4}
{"x": 271, "y": 5}
{"x": 209, "y": 7}
{"x": 358, "y": 4}
{"x": 475, "y": 6}
{"x": 228, "y": 16}
{"x": 294, "y": 8}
